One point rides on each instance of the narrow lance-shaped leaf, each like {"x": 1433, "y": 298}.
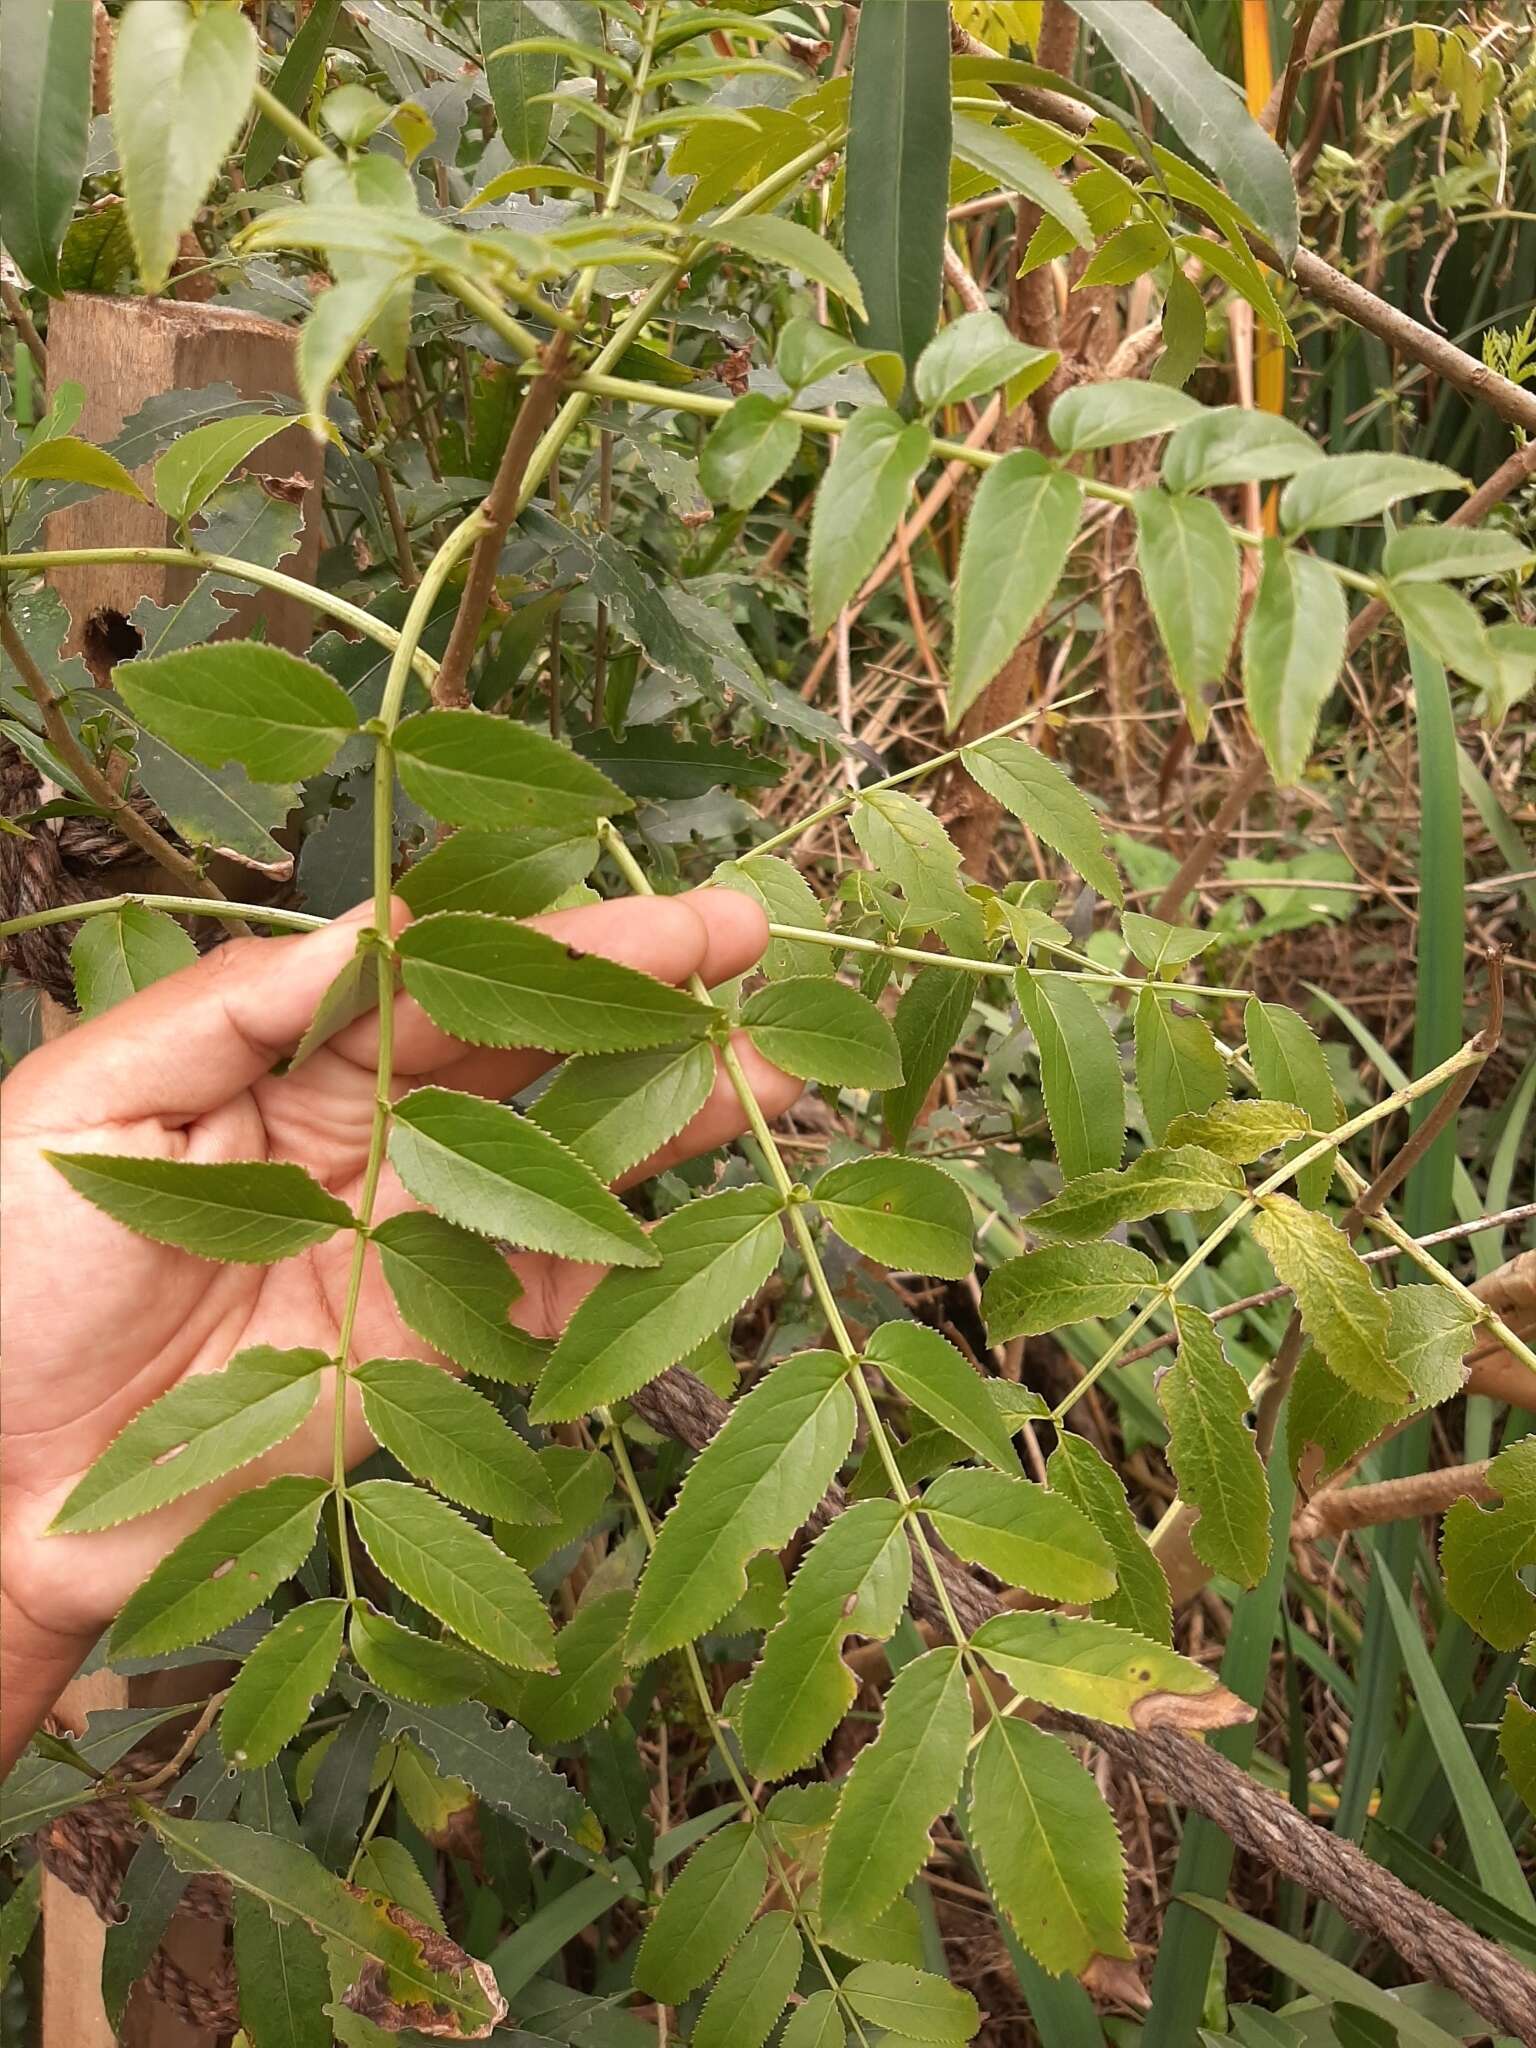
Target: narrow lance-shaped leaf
{"x": 520, "y": 80}
{"x": 1293, "y": 650}
{"x": 1141, "y": 1599}
{"x": 792, "y": 246}
{"x": 862, "y": 496}
{"x": 1213, "y": 1453}
{"x": 929, "y": 1019}
{"x": 899, "y": 1785}
{"x": 750, "y": 1489}
{"x": 1027, "y": 1536}
{"x": 1189, "y": 569}
{"x": 252, "y": 1213}
{"x": 1079, "y": 1072}
{"x": 454, "y": 1289}
{"x": 1289, "y": 1066}
{"x": 455, "y": 1439}
{"x": 45, "y": 118}
{"x": 1005, "y": 154}
{"x": 1017, "y": 540}
{"x": 936, "y": 1379}
{"x": 1179, "y": 1069}
{"x": 279, "y": 1682}
{"x": 409, "y": 1666}
{"x": 704, "y": 1913}
{"x": 754, "y": 1986}
{"x": 617, "y": 1109}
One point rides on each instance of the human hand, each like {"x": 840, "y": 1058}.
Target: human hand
{"x": 99, "y": 1322}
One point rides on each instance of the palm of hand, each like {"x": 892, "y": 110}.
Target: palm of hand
{"x": 99, "y": 1322}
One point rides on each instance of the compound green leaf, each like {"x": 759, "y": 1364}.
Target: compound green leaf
{"x": 492, "y": 982}
{"x": 1213, "y": 1453}
{"x": 236, "y": 700}
{"x": 1049, "y": 1847}
{"x": 749, "y": 1489}
{"x": 899, "y": 1785}
{"x": 223, "y": 1571}
{"x": 1484, "y": 1550}
{"x": 1344, "y": 489}
{"x": 860, "y": 500}
{"x": 1341, "y": 1309}
{"x": 1179, "y": 1070}
{"x": 193, "y": 467}
{"x": 114, "y": 956}
{"x": 1080, "y": 1073}
{"x": 454, "y": 1289}
{"x": 1141, "y": 1599}
{"x": 410, "y": 1666}
{"x": 1231, "y": 444}
{"x": 1017, "y": 540}
{"x": 1042, "y": 796}
{"x": 1027, "y": 1536}
{"x": 1239, "y": 1132}
{"x": 616, "y": 1110}
{"x": 209, "y": 1425}
{"x": 455, "y": 1439}
{"x": 472, "y": 769}
{"x": 903, "y": 1212}
{"x": 487, "y": 1168}
{"x": 929, "y": 1019}
{"x": 930, "y": 1373}
{"x": 279, "y": 1682}
{"x": 1179, "y": 1177}
{"x": 704, "y": 1913}
{"x": 560, "y": 1706}
{"x": 1289, "y": 1066}
{"x": 748, "y": 450}
{"x": 1062, "y": 1283}
{"x": 853, "y": 1581}
{"x": 715, "y": 1253}
{"x": 1117, "y": 410}
{"x": 45, "y": 119}
{"x": 976, "y": 353}
{"x": 1191, "y": 574}
{"x": 754, "y": 1987}
{"x": 1293, "y": 652}
{"x": 1433, "y": 554}
{"x": 448, "y": 1567}
{"x": 822, "y": 1030}
{"x": 250, "y": 1214}
{"x": 511, "y": 874}
{"x": 912, "y": 2004}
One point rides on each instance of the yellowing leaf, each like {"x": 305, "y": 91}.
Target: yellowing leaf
{"x": 1341, "y": 1310}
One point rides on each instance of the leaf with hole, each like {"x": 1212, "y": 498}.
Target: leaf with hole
{"x": 193, "y": 467}
{"x": 470, "y": 768}
{"x": 1079, "y": 1072}
{"x": 448, "y": 1567}
{"x": 492, "y": 982}
{"x": 1092, "y": 1667}
{"x": 1026, "y": 1535}
{"x": 749, "y": 1489}
{"x": 487, "y": 1168}
{"x": 279, "y": 717}
{"x": 250, "y": 1213}
{"x": 860, "y": 500}
{"x": 903, "y": 1212}
{"x": 455, "y": 1439}
{"x": 1062, "y": 1283}
{"x": 210, "y": 1424}
{"x": 1213, "y": 1454}
{"x": 822, "y": 1030}
{"x": 466, "y": 1744}
{"x": 279, "y": 1682}
{"x": 223, "y": 1571}
{"x": 912, "y": 2004}
{"x": 715, "y": 1253}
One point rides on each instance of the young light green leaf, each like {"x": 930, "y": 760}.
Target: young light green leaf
{"x": 487, "y": 1168}
{"x": 928, "y": 1370}
{"x": 860, "y": 500}
{"x": 410, "y": 1666}
{"x": 455, "y": 1439}
{"x": 749, "y": 1489}
{"x": 1179, "y": 1070}
{"x": 510, "y": 874}
{"x": 45, "y": 119}
{"x": 113, "y": 957}
{"x": 1213, "y": 1453}
{"x": 250, "y": 1214}
{"x": 748, "y": 450}
{"x": 1062, "y": 1283}
{"x": 903, "y": 1212}
{"x": 899, "y": 1785}
{"x": 704, "y": 1913}
{"x": 911, "y": 2004}
{"x": 1049, "y": 1847}
{"x": 977, "y": 353}
{"x": 1484, "y": 1550}
{"x": 1117, "y": 410}
{"x": 472, "y": 769}
{"x": 1027, "y": 1536}
{"x": 753, "y": 1988}
{"x": 62, "y": 459}
{"x": 1004, "y": 154}
{"x": 1433, "y": 554}
{"x": 279, "y": 1682}
{"x": 1289, "y": 1066}
{"x": 789, "y": 245}
{"x": 929, "y": 1019}
{"x": 210, "y": 1424}
{"x": 181, "y": 89}
{"x": 822, "y": 1030}
{"x": 237, "y": 700}
{"x": 1231, "y": 444}
{"x": 715, "y": 1254}
{"x": 853, "y": 1581}
{"x": 1042, "y": 796}
{"x": 1092, "y": 1667}
{"x": 1190, "y": 571}
{"x": 561, "y": 1706}
{"x": 448, "y": 1567}
{"x": 1201, "y": 108}
{"x": 1079, "y": 1072}
{"x": 454, "y": 1289}
{"x": 617, "y": 1110}
{"x": 1341, "y": 1310}
{"x": 1293, "y": 651}
{"x": 1141, "y": 1600}
{"x": 193, "y": 467}
{"x": 910, "y": 849}
{"x": 224, "y": 1570}
{"x": 493, "y": 982}
{"x": 1239, "y": 1132}
{"x": 900, "y": 126}
{"x": 1180, "y": 1177}
{"x": 1341, "y": 490}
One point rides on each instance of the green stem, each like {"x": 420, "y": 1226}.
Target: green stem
{"x": 1100, "y": 977}
{"x": 179, "y": 906}
{"x": 304, "y": 139}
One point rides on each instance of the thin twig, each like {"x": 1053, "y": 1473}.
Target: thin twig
{"x": 21, "y": 319}
{"x": 1337, "y": 1509}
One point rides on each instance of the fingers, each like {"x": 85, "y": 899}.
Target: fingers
{"x": 722, "y": 1118}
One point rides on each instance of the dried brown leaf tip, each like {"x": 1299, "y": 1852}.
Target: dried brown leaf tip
{"x": 374, "y": 1996}
{"x": 1191, "y": 1713}
{"x": 1116, "y": 1981}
